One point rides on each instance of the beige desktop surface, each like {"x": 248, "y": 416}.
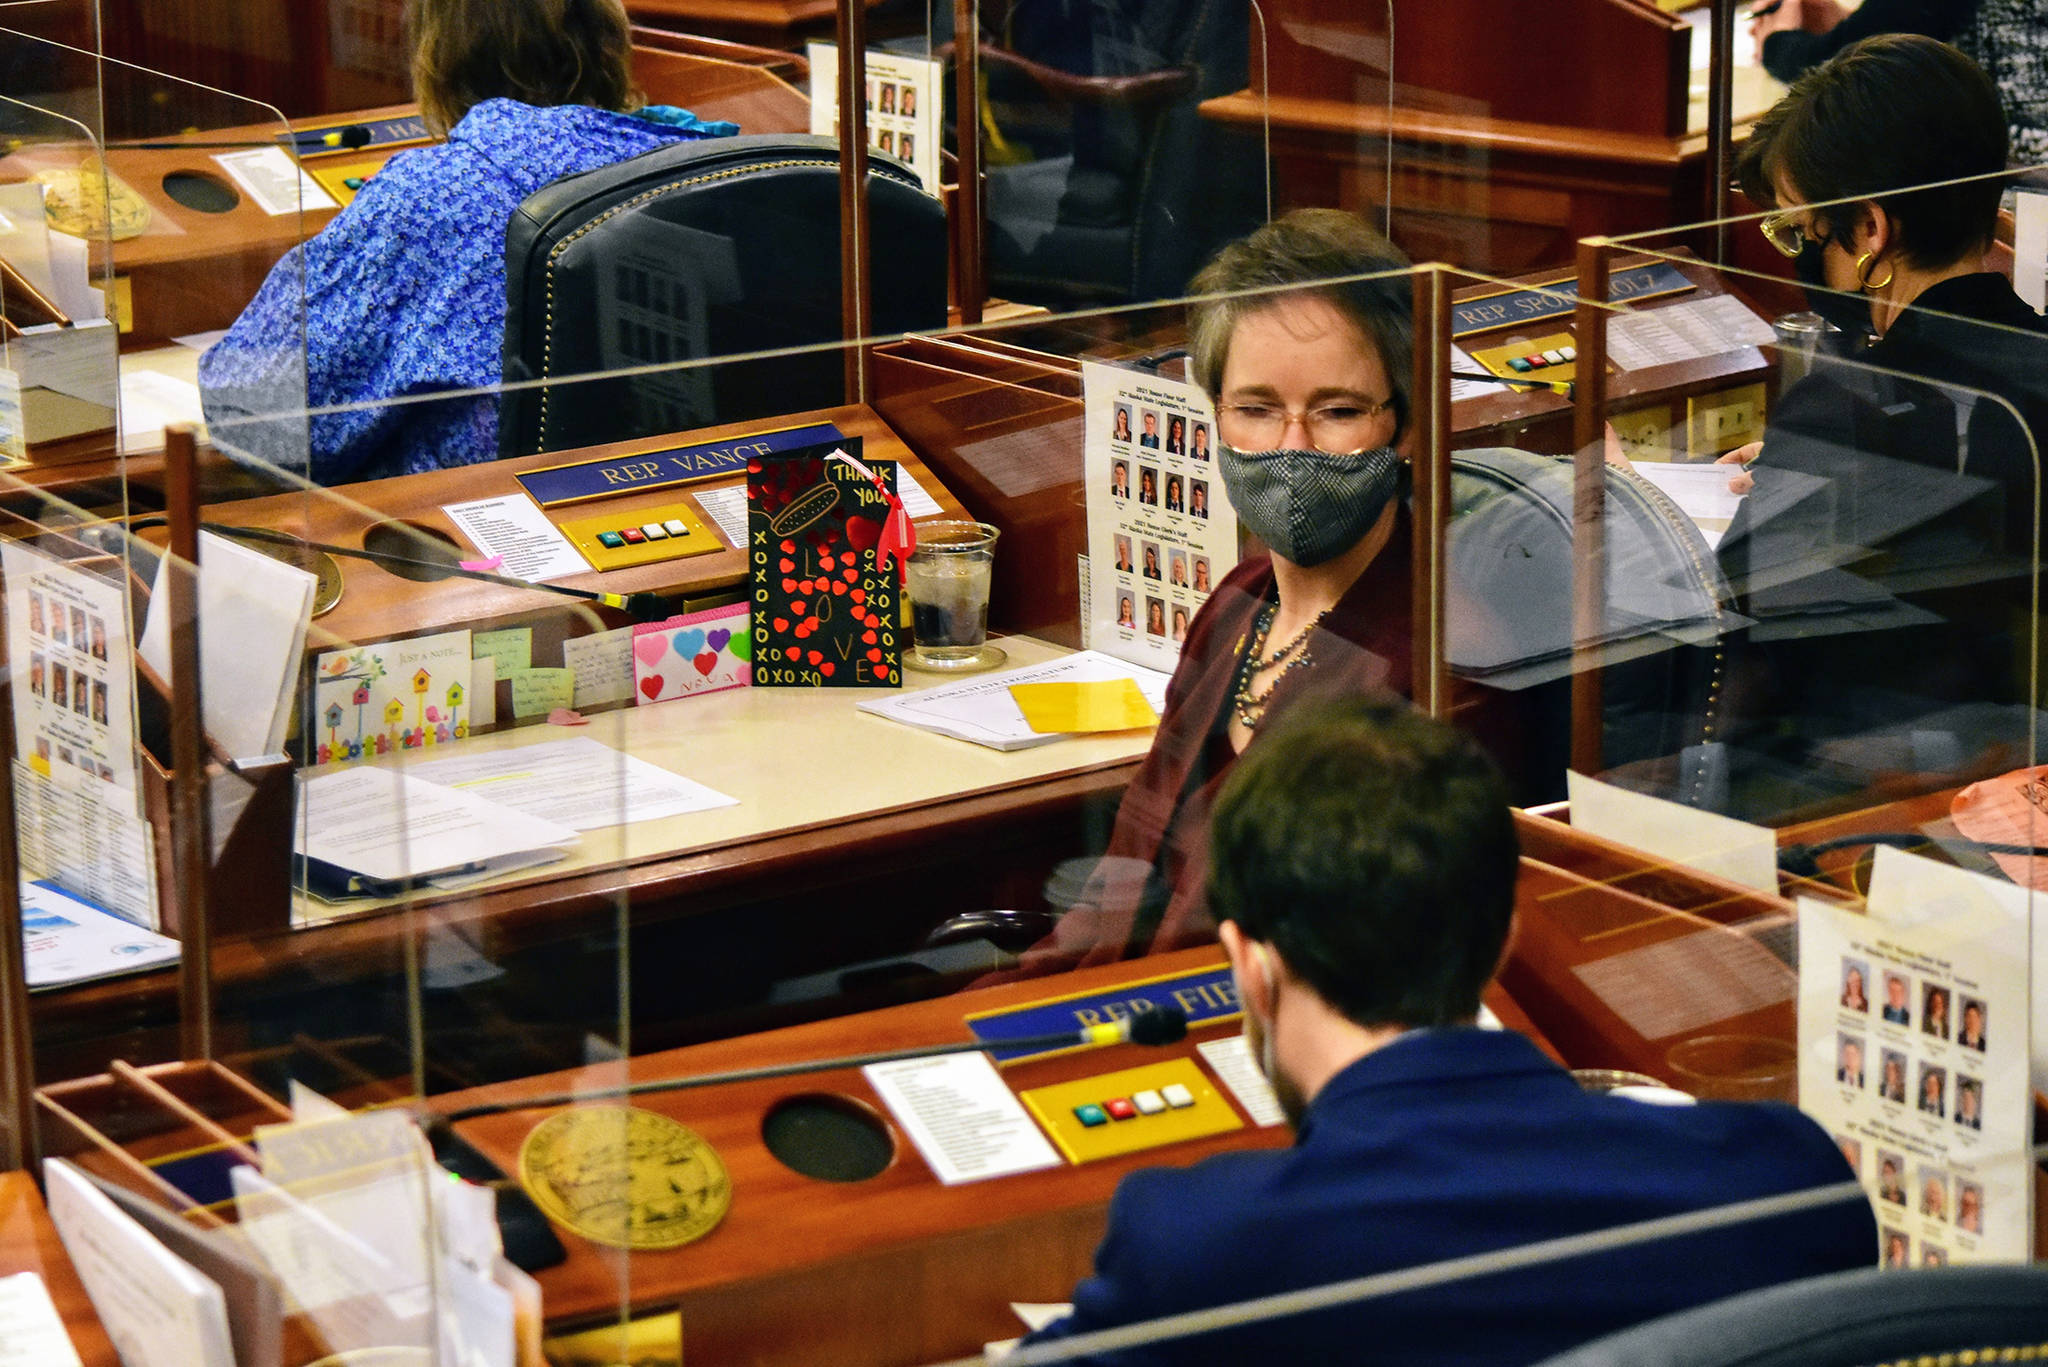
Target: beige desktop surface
{"x": 795, "y": 758}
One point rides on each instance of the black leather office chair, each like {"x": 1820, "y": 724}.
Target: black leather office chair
{"x": 1948, "y": 1314}
{"x": 711, "y": 248}
{"x": 1105, "y": 183}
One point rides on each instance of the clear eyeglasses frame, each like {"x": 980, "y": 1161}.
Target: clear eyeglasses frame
{"x": 1335, "y": 428}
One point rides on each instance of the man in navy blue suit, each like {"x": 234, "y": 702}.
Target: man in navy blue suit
{"x": 1363, "y": 871}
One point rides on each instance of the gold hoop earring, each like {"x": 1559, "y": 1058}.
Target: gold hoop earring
{"x": 1863, "y": 280}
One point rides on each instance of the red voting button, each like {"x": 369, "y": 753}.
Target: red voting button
{"x": 634, "y": 536}
{"x": 1120, "y": 1109}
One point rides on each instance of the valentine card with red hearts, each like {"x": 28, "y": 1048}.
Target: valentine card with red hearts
{"x": 698, "y": 652}
{"x": 824, "y": 610}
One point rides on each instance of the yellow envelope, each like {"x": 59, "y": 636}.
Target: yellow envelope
{"x": 1096, "y": 705}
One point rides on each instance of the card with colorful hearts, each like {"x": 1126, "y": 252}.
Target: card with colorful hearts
{"x": 825, "y": 614}
{"x": 698, "y": 652}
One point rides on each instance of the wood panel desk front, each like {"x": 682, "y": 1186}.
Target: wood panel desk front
{"x": 852, "y": 837}
{"x": 897, "y": 1269}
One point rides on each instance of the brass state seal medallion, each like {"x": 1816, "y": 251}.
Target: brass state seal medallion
{"x": 92, "y": 200}
{"x": 625, "y": 1177}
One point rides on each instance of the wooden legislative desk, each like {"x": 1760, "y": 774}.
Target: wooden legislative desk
{"x": 378, "y": 604}
{"x": 29, "y": 1243}
{"x": 897, "y": 1269}
{"x": 200, "y": 259}
{"x": 854, "y": 836}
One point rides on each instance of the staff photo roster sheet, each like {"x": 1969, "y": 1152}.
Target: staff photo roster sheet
{"x": 1913, "y": 1053}
{"x": 1161, "y": 531}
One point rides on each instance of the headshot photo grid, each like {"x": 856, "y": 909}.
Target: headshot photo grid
{"x": 1912, "y": 1045}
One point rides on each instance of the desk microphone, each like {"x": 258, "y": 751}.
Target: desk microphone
{"x": 641, "y": 607}
{"x": 1157, "y": 1026}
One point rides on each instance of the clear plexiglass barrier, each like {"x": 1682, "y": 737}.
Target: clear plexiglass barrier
{"x": 724, "y": 727}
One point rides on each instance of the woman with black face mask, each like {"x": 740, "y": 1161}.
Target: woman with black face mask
{"x": 1900, "y": 466}
{"x": 1311, "y": 393}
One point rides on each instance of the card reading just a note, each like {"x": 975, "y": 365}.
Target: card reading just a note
{"x": 698, "y": 652}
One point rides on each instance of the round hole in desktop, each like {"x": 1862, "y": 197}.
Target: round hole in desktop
{"x": 830, "y": 1137}
{"x": 200, "y": 192}
{"x": 417, "y": 552}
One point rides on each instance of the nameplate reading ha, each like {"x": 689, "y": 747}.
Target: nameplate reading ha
{"x": 560, "y": 484}
{"x": 1552, "y": 300}
{"x": 1206, "y": 996}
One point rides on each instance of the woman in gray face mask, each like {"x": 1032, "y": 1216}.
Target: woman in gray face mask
{"x": 1311, "y": 393}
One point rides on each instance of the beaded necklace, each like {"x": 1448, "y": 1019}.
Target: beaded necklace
{"x": 1250, "y": 708}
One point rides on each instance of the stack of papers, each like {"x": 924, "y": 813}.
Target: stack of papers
{"x": 387, "y": 827}
{"x": 985, "y": 711}
{"x": 253, "y": 616}
{"x": 472, "y": 815}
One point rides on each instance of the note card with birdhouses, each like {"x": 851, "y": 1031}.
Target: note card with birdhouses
{"x": 397, "y": 695}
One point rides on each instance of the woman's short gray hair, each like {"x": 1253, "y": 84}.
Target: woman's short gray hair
{"x": 1324, "y": 251}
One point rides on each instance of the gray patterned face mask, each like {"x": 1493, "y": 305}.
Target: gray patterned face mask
{"x": 1309, "y": 506}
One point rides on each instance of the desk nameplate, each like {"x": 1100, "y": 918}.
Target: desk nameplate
{"x": 1207, "y": 996}
{"x": 588, "y": 479}
{"x": 1552, "y": 300}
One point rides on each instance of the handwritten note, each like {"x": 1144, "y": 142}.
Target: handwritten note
{"x": 511, "y": 647}
{"x": 537, "y": 692}
{"x": 603, "y": 664}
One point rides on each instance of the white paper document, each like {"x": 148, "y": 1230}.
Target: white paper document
{"x": 158, "y": 1311}
{"x": 65, "y": 940}
{"x": 1231, "y": 1060}
{"x": 1686, "y": 836}
{"x": 983, "y": 711}
{"x": 1461, "y": 364}
{"x": 253, "y": 616}
{"x": 962, "y": 1116}
{"x": 581, "y": 783}
{"x": 514, "y": 527}
{"x": 150, "y": 402}
{"x": 92, "y": 847}
{"x": 390, "y": 826}
{"x": 31, "y": 1335}
{"x": 269, "y": 176}
{"x": 727, "y": 509}
{"x": 1913, "y": 1026}
{"x": 1699, "y": 490}
{"x": 1682, "y": 332}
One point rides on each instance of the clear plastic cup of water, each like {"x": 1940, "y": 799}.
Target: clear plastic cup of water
{"x": 947, "y": 582}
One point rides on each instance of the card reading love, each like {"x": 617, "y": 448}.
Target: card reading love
{"x": 824, "y": 610}
{"x": 698, "y": 652}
